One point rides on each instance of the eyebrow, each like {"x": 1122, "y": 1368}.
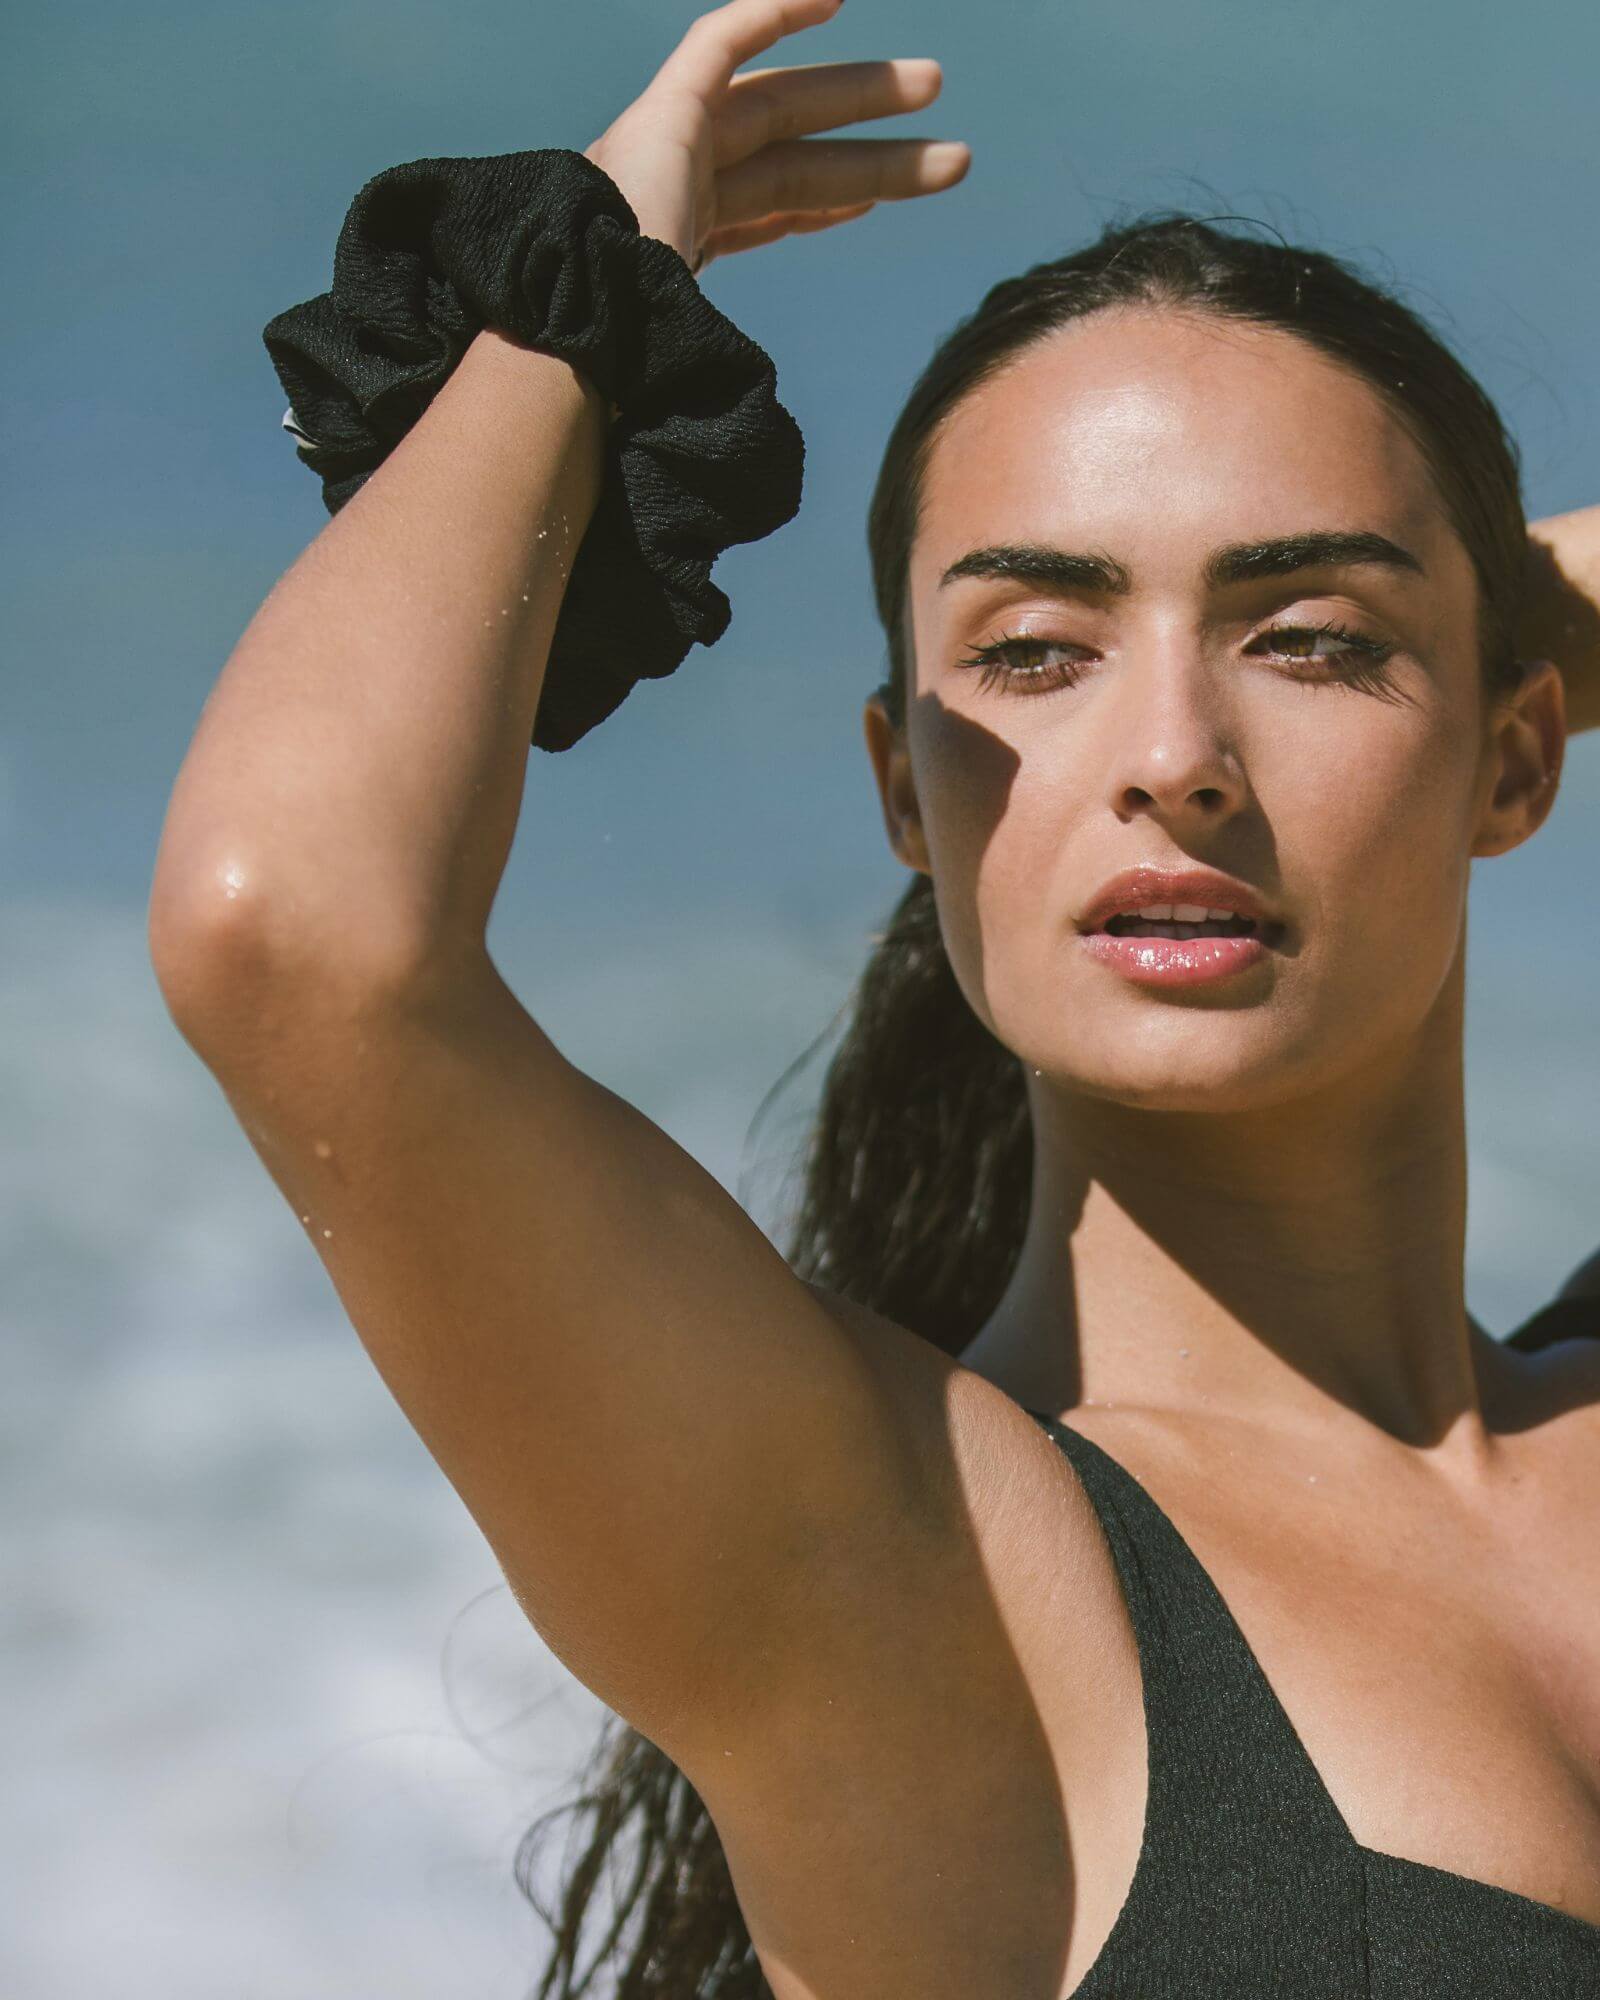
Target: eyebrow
{"x": 1074, "y": 573}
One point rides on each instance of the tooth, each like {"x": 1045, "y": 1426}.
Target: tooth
{"x": 1220, "y": 916}
{"x": 1188, "y": 913}
{"x": 1154, "y": 913}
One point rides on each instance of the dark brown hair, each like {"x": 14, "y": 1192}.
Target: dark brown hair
{"x": 919, "y": 1159}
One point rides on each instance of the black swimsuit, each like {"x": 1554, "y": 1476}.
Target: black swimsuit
{"x": 1249, "y": 1884}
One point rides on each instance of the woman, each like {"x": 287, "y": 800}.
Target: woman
{"x": 1105, "y": 1557}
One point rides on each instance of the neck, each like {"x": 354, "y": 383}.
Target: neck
{"x": 1293, "y": 1266}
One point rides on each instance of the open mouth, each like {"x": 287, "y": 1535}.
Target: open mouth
{"x": 1170, "y": 928}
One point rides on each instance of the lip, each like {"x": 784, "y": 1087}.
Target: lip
{"x": 1157, "y": 961}
{"x": 1202, "y": 886}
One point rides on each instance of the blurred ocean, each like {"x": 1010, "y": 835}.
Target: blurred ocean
{"x": 270, "y": 1725}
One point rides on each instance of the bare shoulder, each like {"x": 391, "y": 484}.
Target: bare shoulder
{"x": 982, "y": 1457}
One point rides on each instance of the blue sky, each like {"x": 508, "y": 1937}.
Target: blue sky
{"x": 242, "y": 1567}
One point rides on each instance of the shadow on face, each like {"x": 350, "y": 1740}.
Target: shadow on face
{"x": 1184, "y": 593}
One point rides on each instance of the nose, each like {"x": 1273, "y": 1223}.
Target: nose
{"x": 1170, "y": 749}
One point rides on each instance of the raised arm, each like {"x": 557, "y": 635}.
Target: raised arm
{"x": 661, "y": 1431}
{"x": 1561, "y": 621}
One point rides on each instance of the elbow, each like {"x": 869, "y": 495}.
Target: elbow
{"x": 198, "y": 919}
{"x": 220, "y": 945}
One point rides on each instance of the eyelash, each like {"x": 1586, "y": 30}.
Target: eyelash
{"x": 995, "y": 663}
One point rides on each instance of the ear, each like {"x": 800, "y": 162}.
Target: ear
{"x": 1527, "y": 737}
{"x": 891, "y": 766}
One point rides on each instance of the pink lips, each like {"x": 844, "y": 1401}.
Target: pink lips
{"x": 1160, "y": 961}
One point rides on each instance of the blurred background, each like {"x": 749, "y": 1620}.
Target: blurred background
{"x": 270, "y": 1723}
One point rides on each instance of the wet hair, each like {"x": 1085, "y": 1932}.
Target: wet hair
{"x": 918, "y": 1162}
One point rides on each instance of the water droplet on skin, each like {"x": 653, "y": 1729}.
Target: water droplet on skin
{"x": 1312, "y": 1477}
{"x": 323, "y": 1150}
{"x": 305, "y": 1218}
{"x": 326, "y": 1234}
{"x": 1184, "y": 1352}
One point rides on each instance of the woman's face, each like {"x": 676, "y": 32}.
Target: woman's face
{"x": 1346, "y": 778}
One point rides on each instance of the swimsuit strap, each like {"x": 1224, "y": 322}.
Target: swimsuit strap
{"x": 1247, "y": 1874}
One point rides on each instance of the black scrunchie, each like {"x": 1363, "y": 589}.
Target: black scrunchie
{"x": 543, "y": 246}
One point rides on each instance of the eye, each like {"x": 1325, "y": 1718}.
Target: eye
{"x": 1357, "y": 661}
{"x": 998, "y": 663}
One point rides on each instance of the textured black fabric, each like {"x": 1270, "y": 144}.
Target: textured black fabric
{"x": 1249, "y": 1884}
{"x": 544, "y": 247}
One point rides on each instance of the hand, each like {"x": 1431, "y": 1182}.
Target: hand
{"x": 1560, "y": 618}
{"x": 712, "y": 163}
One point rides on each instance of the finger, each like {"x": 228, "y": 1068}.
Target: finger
{"x": 765, "y": 105}
{"x": 799, "y": 174}
{"x": 716, "y": 43}
{"x": 825, "y": 218}
{"x": 751, "y": 235}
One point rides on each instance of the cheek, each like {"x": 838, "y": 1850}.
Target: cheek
{"x": 966, "y": 783}
{"x": 1010, "y": 873}
{"x": 999, "y": 830}
{"x": 1378, "y": 835}
{"x": 1373, "y": 847}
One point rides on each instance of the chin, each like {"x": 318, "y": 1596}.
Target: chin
{"x": 1203, "y": 1067}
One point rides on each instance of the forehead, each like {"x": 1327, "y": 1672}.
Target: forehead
{"x": 1157, "y": 435}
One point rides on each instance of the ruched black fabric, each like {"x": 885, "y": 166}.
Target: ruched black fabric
{"x": 544, "y": 247}
{"x": 1249, "y": 1884}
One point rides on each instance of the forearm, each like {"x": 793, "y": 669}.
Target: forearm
{"x": 1561, "y": 621}
{"x": 356, "y": 776}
